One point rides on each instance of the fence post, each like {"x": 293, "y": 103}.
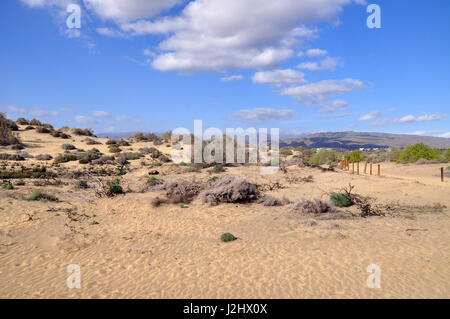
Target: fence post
{"x": 442, "y": 174}
{"x": 353, "y": 167}
{"x": 365, "y": 168}
{"x": 370, "y": 169}
{"x": 357, "y": 168}
{"x": 379, "y": 170}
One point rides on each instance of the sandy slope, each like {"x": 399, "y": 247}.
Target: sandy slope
{"x": 137, "y": 250}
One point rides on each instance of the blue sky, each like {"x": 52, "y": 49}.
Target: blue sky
{"x": 301, "y": 66}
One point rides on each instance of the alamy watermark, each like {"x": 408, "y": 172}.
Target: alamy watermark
{"x": 240, "y": 146}
{"x": 374, "y": 279}
{"x": 374, "y": 20}
{"x": 74, "y": 19}
{"x": 74, "y": 279}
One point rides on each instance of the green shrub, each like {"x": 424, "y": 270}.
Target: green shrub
{"x": 83, "y": 184}
{"x": 213, "y": 179}
{"x": 190, "y": 170}
{"x": 218, "y": 169}
{"x": 114, "y": 187}
{"x": 447, "y": 155}
{"x": 323, "y": 157}
{"x": 413, "y": 153}
{"x": 226, "y": 237}
{"x": 8, "y": 186}
{"x": 354, "y": 157}
{"x": 340, "y": 200}
{"x": 20, "y": 183}
{"x": 286, "y": 151}
{"x": 38, "y": 195}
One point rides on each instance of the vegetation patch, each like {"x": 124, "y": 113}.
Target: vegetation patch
{"x": 341, "y": 200}
{"x": 227, "y": 237}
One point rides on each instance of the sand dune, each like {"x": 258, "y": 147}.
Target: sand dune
{"x": 139, "y": 251}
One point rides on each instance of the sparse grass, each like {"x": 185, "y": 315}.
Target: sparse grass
{"x": 218, "y": 169}
{"x": 95, "y": 222}
{"x": 190, "y": 170}
{"x": 227, "y": 237}
{"x": 212, "y": 179}
{"x": 37, "y": 195}
{"x": 36, "y": 172}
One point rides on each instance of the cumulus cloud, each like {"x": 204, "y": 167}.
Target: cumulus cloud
{"x": 335, "y": 116}
{"x": 370, "y": 116}
{"x": 279, "y": 77}
{"x": 261, "y": 115}
{"x": 318, "y": 93}
{"x": 122, "y": 11}
{"x": 421, "y": 118}
{"x": 232, "y": 78}
{"x": 312, "y": 53}
{"x": 237, "y": 35}
{"x": 328, "y": 64}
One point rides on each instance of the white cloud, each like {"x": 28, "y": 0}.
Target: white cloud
{"x": 421, "y": 118}
{"x": 109, "y": 32}
{"x": 122, "y": 11}
{"x": 335, "y": 106}
{"x": 316, "y": 53}
{"x": 232, "y": 78}
{"x": 337, "y": 115}
{"x": 445, "y": 135}
{"x": 260, "y": 115}
{"x": 101, "y": 114}
{"x": 370, "y": 116}
{"x": 318, "y": 93}
{"x": 237, "y": 35}
{"x": 328, "y": 64}
{"x": 279, "y": 77}
{"x": 80, "y": 119}
{"x": 33, "y": 112}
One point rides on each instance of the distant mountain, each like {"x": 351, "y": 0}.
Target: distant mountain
{"x": 355, "y": 140}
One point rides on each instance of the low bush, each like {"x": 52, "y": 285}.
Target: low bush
{"x": 83, "y": 132}
{"x": 43, "y": 130}
{"x": 60, "y": 135}
{"x": 341, "y": 200}
{"x": 11, "y": 157}
{"x": 230, "y": 189}
{"x": 90, "y": 141}
{"x": 68, "y": 147}
{"x": 82, "y": 184}
{"x": 114, "y": 188}
{"x": 7, "y": 137}
{"x": 38, "y": 195}
{"x": 323, "y": 157}
{"x": 43, "y": 157}
{"x": 37, "y": 172}
{"x": 312, "y": 207}
{"x": 22, "y": 121}
{"x": 227, "y": 237}
{"x": 272, "y": 201}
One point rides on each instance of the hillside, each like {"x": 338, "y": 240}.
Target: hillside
{"x": 354, "y": 140}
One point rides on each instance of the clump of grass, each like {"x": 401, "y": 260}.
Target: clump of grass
{"x": 83, "y": 184}
{"x": 212, "y": 179}
{"x": 152, "y": 181}
{"x": 181, "y": 205}
{"x": 157, "y": 164}
{"x": 310, "y": 177}
{"x": 190, "y": 170}
{"x": 8, "y": 186}
{"x": 182, "y": 164}
{"x": 37, "y": 195}
{"x": 226, "y": 237}
{"x": 114, "y": 187}
{"x": 218, "y": 169}
{"x": 95, "y": 222}
{"x": 20, "y": 183}
{"x": 341, "y": 200}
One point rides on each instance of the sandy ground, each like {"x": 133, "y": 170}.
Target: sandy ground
{"x": 128, "y": 249}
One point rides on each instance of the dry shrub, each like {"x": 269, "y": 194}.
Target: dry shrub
{"x": 129, "y": 156}
{"x": 22, "y": 121}
{"x": 7, "y": 136}
{"x": 68, "y": 147}
{"x": 43, "y": 130}
{"x": 269, "y": 187}
{"x": 313, "y": 207}
{"x": 60, "y": 134}
{"x": 157, "y": 201}
{"x": 272, "y": 201}
{"x": 364, "y": 204}
{"x": 83, "y": 132}
{"x": 43, "y": 157}
{"x": 11, "y": 157}
{"x": 230, "y": 189}
{"x": 154, "y": 153}
{"x": 180, "y": 191}
{"x": 90, "y": 141}
{"x": 104, "y": 159}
